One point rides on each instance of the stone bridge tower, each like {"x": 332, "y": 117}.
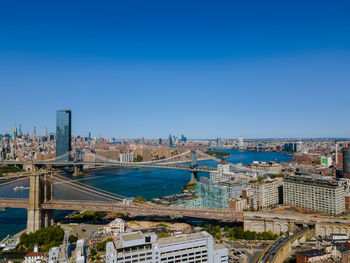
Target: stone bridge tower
{"x": 194, "y": 164}
{"x": 41, "y": 191}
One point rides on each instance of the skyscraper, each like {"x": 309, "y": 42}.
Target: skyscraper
{"x": 63, "y": 133}
{"x": 240, "y": 141}
{"x": 219, "y": 143}
{"x": 14, "y": 133}
{"x": 170, "y": 140}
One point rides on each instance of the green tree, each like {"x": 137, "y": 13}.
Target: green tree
{"x": 72, "y": 239}
{"x": 46, "y": 238}
{"x": 138, "y": 158}
{"x": 162, "y": 235}
{"x": 102, "y": 245}
{"x": 93, "y": 252}
{"x": 140, "y": 199}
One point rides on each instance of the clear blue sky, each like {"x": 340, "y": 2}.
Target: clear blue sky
{"x": 206, "y": 69}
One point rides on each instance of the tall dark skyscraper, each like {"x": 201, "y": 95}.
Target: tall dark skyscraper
{"x": 170, "y": 140}
{"x": 63, "y": 132}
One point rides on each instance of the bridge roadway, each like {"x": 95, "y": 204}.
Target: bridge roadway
{"x": 270, "y": 254}
{"x": 298, "y": 218}
{"x": 150, "y": 209}
{"x": 144, "y": 209}
{"x": 112, "y": 164}
{"x": 13, "y": 202}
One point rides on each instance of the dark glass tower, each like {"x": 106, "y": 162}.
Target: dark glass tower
{"x": 63, "y": 133}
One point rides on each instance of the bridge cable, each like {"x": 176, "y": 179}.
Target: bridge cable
{"x": 92, "y": 187}
{"x": 14, "y": 181}
{"x": 91, "y": 190}
{"x": 81, "y": 189}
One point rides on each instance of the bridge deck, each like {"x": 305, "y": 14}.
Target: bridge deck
{"x": 139, "y": 209}
{"x": 144, "y": 209}
{"x": 13, "y": 203}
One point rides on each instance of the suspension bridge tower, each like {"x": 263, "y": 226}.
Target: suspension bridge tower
{"x": 41, "y": 191}
{"x": 78, "y": 158}
{"x": 194, "y": 164}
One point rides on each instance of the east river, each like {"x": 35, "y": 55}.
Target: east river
{"x": 148, "y": 182}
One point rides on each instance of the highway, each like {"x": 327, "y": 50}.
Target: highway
{"x": 272, "y": 251}
{"x": 302, "y": 218}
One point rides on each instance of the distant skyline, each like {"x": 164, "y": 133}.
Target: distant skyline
{"x": 205, "y": 69}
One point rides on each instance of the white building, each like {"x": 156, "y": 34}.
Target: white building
{"x": 126, "y": 157}
{"x": 224, "y": 174}
{"x": 265, "y": 193}
{"x": 137, "y": 247}
{"x": 34, "y": 257}
{"x": 80, "y": 252}
{"x": 315, "y": 193}
{"x": 54, "y": 254}
{"x": 240, "y": 141}
{"x": 116, "y": 226}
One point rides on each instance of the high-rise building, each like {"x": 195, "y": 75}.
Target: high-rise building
{"x": 346, "y": 162}
{"x": 14, "y": 133}
{"x": 160, "y": 141}
{"x": 240, "y": 141}
{"x": 126, "y": 157}
{"x": 265, "y": 194}
{"x": 63, "y": 133}
{"x": 148, "y": 248}
{"x": 183, "y": 138}
{"x": 170, "y": 140}
{"x": 315, "y": 193}
{"x": 20, "y": 130}
{"x": 219, "y": 143}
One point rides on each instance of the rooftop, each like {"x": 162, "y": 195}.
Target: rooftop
{"x": 181, "y": 238}
{"x": 320, "y": 180}
{"x": 312, "y": 253}
{"x": 222, "y": 162}
{"x": 35, "y": 254}
{"x": 131, "y": 236}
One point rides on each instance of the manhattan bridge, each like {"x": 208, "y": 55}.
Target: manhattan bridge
{"x": 41, "y": 203}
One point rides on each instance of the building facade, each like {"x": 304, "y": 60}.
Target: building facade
{"x": 126, "y": 157}
{"x": 138, "y": 247}
{"x": 63, "y": 133}
{"x": 264, "y": 194}
{"x": 315, "y": 193}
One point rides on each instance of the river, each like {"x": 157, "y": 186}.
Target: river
{"x": 148, "y": 182}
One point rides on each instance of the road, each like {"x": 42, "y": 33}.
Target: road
{"x": 271, "y": 253}
{"x": 301, "y": 218}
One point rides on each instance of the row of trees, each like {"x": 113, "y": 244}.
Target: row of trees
{"x": 237, "y": 232}
{"x": 218, "y": 154}
{"x": 138, "y": 158}
{"x": 88, "y": 216}
{"x": 140, "y": 199}
{"x": 9, "y": 169}
{"x": 46, "y": 238}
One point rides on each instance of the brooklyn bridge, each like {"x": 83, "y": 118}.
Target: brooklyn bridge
{"x": 41, "y": 202}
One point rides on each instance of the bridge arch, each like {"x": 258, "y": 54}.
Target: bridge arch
{"x": 337, "y": 230}
{"x": 285, "y": 227}
{"x": 323, "y": 231}
{"x": 344, "y": 231}
{"x": 330, "y": 230}
{"x": 277, "y": 228}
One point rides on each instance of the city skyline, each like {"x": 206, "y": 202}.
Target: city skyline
{"x": 46, "y": 132}
{"x": 262, "y": 70}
